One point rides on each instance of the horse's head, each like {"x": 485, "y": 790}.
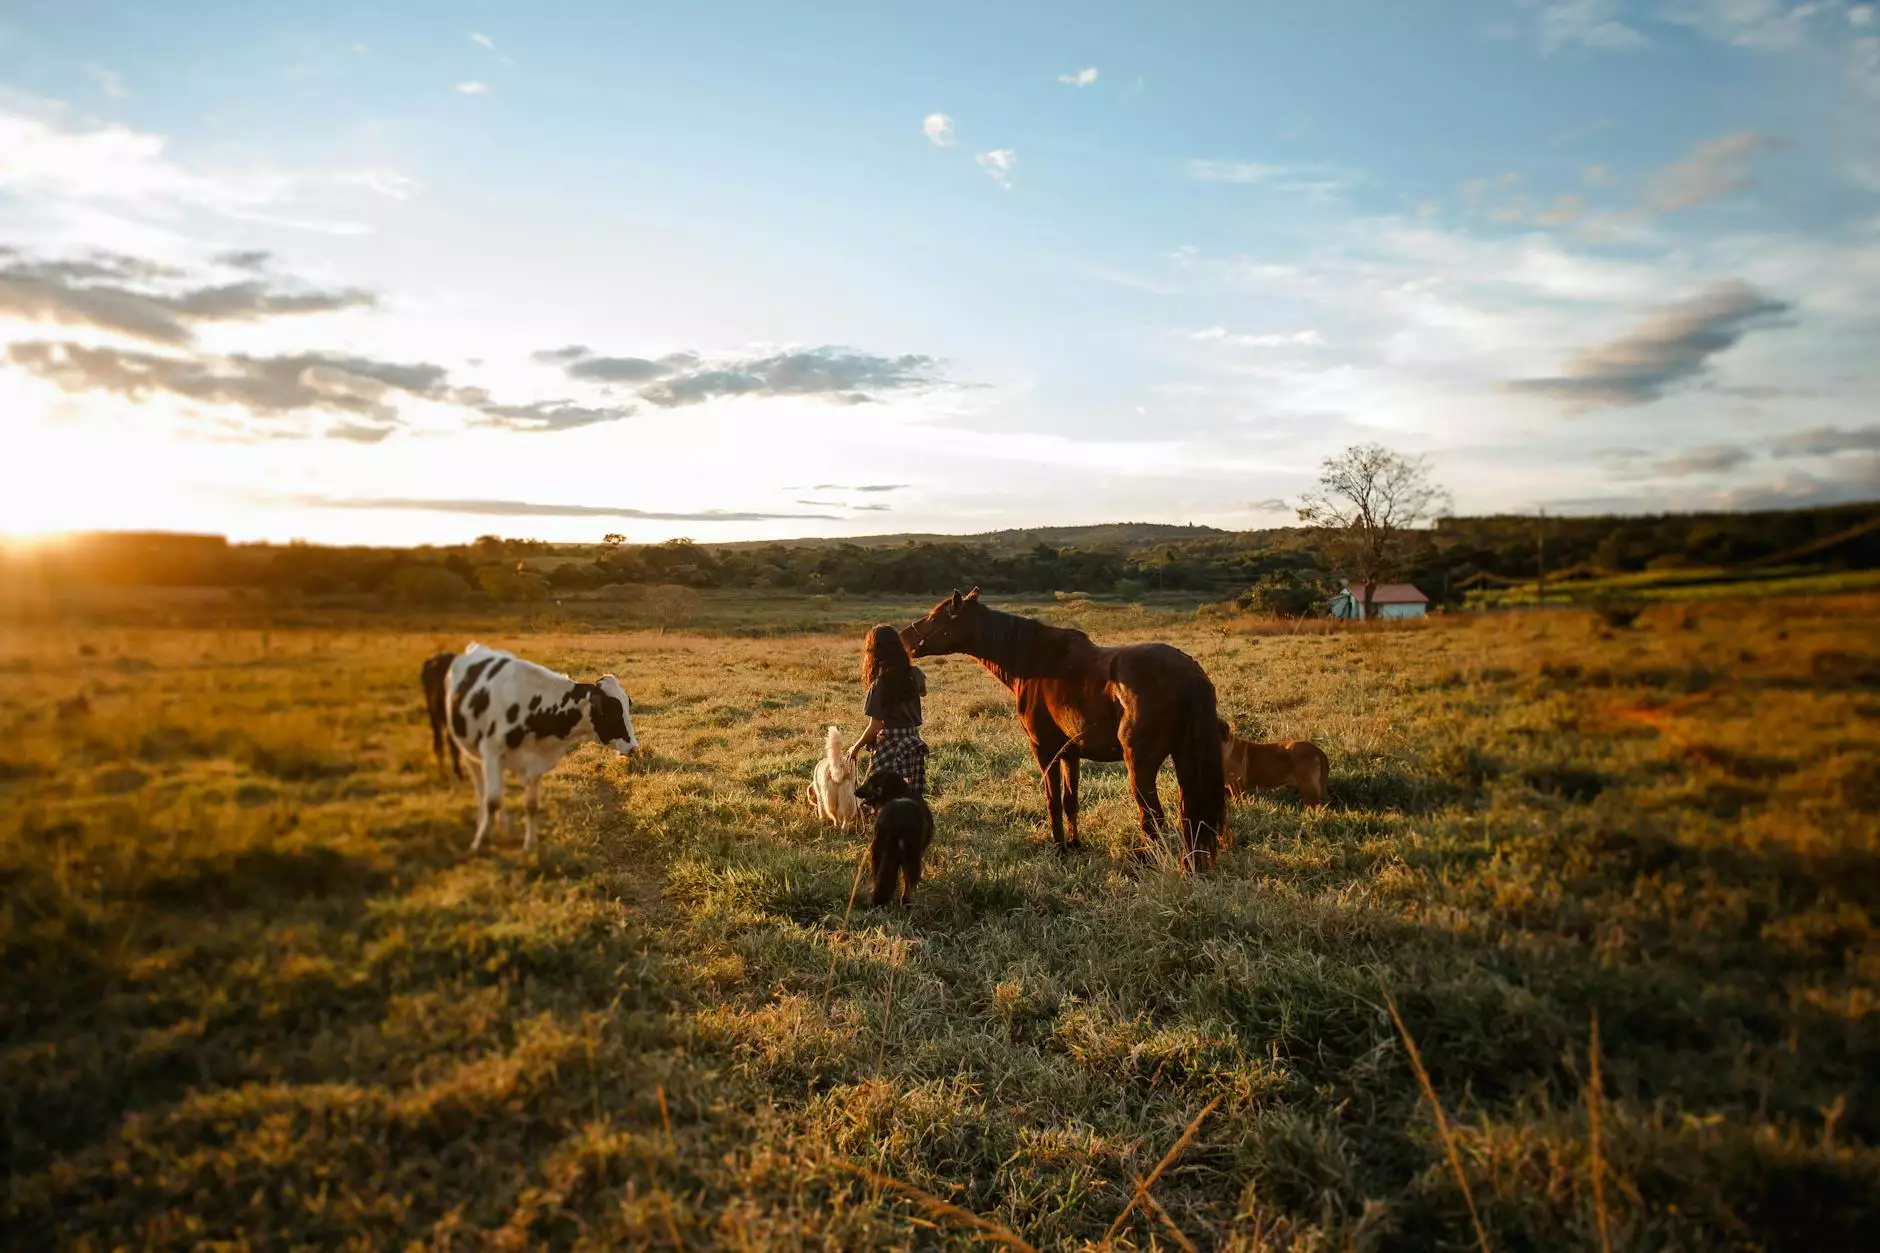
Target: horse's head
{"x": 947, "y": 628}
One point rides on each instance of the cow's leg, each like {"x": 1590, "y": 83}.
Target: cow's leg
{"x": 476, "y": 786}
{"x": 1067, "y": 769}
{"x": 490, "y": 812}
{"x": 531, "y": 799}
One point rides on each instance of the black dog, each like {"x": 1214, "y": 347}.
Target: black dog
{"x": 903, "y": 830}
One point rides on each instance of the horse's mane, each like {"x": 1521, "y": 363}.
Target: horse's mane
{"x": 1014, "y": 647}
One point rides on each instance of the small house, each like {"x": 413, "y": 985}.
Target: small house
{"x": 1388, "y": 600}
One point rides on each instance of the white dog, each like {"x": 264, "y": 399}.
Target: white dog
{"x": 831, "y": 791}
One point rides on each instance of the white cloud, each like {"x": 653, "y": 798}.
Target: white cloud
{"x": 486, "y": 42}
{"x": 1081, "y": 78}
{"x": 1281, "y": 339}
{"x": 1316, "y": 182}
{"x": 474, "y": 88}
{"x": 1209, "y": 171}
{"x": 1588, "y": 23}
{"x": 939, "y": 128}
{"x": 1860, "y": 15}
{"x": 108, "y": 81}
{"x": 69, "y": 172}
{"x": 998, "y": 165}
{"x": 1767, "y": 24}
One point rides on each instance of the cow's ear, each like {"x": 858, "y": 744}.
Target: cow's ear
{"x": 974, "y": 594}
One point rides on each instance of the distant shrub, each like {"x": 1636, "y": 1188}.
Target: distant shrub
{"x": 1129, "y": 589}
{"x": 668, "y": 605}
{"x": 1283, "y": 594}
{"x": 1617, "y": 614}
{"x": 518, "y": 584}
{"x": 427, "y": 586}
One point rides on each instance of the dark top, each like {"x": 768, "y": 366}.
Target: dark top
{"x": 905, "y": 713}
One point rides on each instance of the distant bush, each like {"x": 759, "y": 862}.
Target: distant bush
{"x": 1129, "y": 589}
{"x": 1284, "y": 594}
{"x": 427, "y": 586}
{"x": 520, "y": 583}
{"x": 667, "y": 605}
{"x": 1616, "y": 615}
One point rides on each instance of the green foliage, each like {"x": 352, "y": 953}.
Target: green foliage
{"x": 1286, "y": 594}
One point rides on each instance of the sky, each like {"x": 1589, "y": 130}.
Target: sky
{"x": 365, "y": 273}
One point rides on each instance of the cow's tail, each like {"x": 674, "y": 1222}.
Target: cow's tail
{"x": 1199, "y": 772}
{"x": 435, "y": 678}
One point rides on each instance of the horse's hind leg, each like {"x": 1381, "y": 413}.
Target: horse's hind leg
{"x": 1142, "y": 771}
{"x": 1053, "y": 787}
{"x": 1067, "y": 767}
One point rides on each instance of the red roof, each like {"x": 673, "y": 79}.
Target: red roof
{"x": 1388, "y": 594}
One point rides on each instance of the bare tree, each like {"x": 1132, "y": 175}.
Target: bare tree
{"x": 1368, "y": 500}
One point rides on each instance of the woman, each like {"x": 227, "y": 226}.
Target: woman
{"x": 895, "y": 686}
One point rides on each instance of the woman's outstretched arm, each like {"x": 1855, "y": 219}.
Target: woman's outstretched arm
{"x": 867, "y": 738}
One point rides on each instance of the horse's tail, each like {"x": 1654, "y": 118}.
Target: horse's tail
{"x": 1199, "y": 771}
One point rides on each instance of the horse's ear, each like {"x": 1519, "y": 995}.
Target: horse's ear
{"x": 974, "y": 594}
{"x": 954, "y": 604}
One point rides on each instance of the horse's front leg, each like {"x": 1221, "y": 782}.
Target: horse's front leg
{"x": 1046, "y": 751}
{"x": 1067, "y": 769}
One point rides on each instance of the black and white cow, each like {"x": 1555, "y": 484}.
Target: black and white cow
{"x": 511, "y": 714}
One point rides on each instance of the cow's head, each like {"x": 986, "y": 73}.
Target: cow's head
{"x": 947, "y": 628}
{"x": 612, "y": 715}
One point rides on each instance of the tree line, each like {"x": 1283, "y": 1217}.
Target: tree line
{"x": 1288, "y": 570}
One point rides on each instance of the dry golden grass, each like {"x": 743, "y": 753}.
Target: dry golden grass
{"x": 253, "y": 991}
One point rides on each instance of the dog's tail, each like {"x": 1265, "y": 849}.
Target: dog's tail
{"x": 832, "y": 745}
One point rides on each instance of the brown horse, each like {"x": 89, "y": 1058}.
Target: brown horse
{"x": 1138, "y": 704}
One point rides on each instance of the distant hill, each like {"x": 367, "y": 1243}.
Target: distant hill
{"x": 1120, "y": 536}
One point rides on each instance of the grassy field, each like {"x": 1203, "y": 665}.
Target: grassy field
{"x": 1698, "y": 583}
{"x": 253, "y": 993}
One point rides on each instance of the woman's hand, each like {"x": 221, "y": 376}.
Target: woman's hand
{"x": 866, "y": 739}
